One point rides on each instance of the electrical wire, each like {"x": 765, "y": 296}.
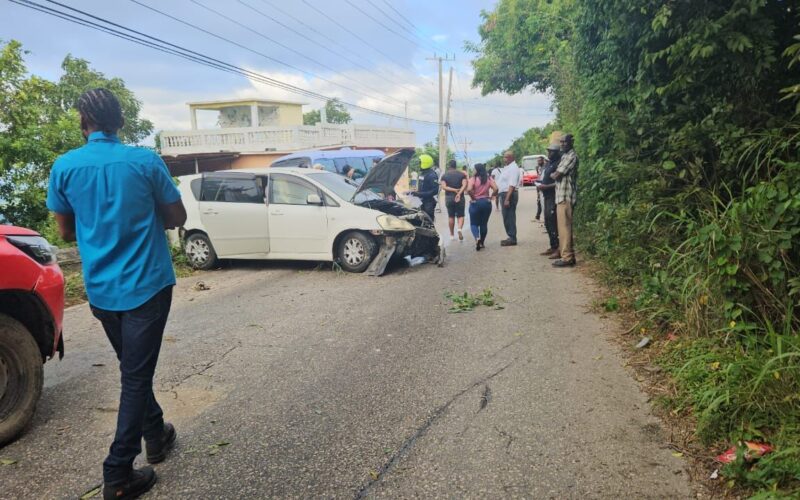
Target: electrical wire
{"x": 170, "y": 48}
{"x": 318, "y": 63}
{"x": 367, "y": 14}
{"x": 348, "y": 30}
{"x": 399, "y": 25}
{"x": 321, "y": 45}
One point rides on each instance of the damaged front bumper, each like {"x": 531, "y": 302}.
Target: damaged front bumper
{"x": 420, "y": 242}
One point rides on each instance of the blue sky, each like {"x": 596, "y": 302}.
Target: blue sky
{"x": 384, "y": 73}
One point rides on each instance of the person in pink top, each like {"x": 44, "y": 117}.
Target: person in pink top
{"x": 481, "y": 188}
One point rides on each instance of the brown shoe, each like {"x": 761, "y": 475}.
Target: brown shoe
{"x": 548, "y": 251}
{"x": 555, "y": 255}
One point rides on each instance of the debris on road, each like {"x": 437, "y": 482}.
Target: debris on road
{"x": 714, "y": 475}
{"x": 91, "y": 493}
{"x": 754, "y": 450}
{"x": 200, "y": 286}
{"x": 465, "y": 302}
{"x": 213, "y": 449}
{"x": 643, "y": 343}
{"x": 7, "y": 461}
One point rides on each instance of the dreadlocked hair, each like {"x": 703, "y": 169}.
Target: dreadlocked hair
{"x": 102, "y": 108}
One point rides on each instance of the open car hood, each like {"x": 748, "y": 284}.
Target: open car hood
{"x": 383, "y": 177}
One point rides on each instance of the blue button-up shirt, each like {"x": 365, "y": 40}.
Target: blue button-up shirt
{"x": 114, "y": 192}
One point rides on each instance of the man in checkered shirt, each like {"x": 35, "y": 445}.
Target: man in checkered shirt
{"x": 566, "y": 177}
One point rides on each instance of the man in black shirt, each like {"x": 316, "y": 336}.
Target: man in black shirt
{"x": 454, "y": 184}
{"x": 547, "y": 187}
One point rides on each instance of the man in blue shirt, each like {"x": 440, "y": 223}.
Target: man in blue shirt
{"x": 116, "y": 201}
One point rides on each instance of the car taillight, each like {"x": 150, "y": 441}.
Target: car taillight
{"x": 35, "y": 247}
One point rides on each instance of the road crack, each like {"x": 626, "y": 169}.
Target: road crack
{"x": 439, "y": 412}
{"x": 203, "y": 368}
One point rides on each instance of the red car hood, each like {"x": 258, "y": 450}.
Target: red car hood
{"x": 16, "y": 231}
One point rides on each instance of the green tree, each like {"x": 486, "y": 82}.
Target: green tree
{"x": 335, "y": 112}
{"x": 38, "y": 123}
{"x": 430, "y": 148}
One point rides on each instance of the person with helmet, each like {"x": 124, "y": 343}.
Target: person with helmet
{"x": 428, "y": 185}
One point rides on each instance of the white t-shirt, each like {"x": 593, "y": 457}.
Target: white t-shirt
{"x": 511, "y": 176}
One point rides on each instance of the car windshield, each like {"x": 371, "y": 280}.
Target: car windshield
{"x": 342, "y": 187}
{"x": 529, "y": 164}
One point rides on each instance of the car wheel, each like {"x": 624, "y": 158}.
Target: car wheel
{"x": 200, "y": 251}
{"x": 21, "y": 376}
{"x": 356, "y": 251}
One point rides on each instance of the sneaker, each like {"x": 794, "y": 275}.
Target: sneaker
{"x": 138, "y": 482}
{"x": 564, "y": 263}
{"x": 508, "y": 243}
{"x": 158, "y": 449}
{"x": 452, "y": 238}
{"x": 460, "y": 235}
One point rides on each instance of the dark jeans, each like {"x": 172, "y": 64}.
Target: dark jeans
{"x": 510, "y": 214}
{"x": 479, "y": 212}
{"x": 429, "y": 206}
{"x": 136, "y": 338}
{"x": 538, "y": 204}
{"x": 551, "y": 221}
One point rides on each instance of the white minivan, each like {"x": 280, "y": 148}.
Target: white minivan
{"x": 304, "y": 214}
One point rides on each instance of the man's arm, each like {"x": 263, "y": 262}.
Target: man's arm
{"x": 565, "y": 166}
{"x": 66, "y": 226}
{"x": 173, "y": 214}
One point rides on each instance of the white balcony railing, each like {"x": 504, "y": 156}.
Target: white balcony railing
{"x": 260, "y": 139}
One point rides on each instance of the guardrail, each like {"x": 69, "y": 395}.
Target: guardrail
{"x": 260, "y": 139}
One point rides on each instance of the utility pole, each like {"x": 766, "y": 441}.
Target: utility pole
{"x": 442, "y": 136}
{"x": 446, "y": 127}
{"x": 466, "y": 156}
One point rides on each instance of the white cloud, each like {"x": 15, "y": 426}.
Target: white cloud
{"x": 439, "y": 38}
{"x": 490, "y": 123}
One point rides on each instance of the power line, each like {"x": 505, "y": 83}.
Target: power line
{"x": 348, "y": 30}
{"x": 323, "y": 46}
{"x": 407, "y": 30}
{"x": 323, "y": 65}
{"x": 404, "y": 18}
{"x": 232, "y": 42}
{"x": 170, "y": 48}
{"x": 351, "y": 4}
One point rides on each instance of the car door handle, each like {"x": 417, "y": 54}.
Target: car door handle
{"x": 210, "y": 212}
{"x": 277, "y": 212}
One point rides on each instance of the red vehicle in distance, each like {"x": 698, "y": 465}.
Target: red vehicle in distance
{"x": 529, "y": 173}
{"x": 31, "y": 315}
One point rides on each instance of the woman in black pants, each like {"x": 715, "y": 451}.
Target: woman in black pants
{"x": 481, "y": 188}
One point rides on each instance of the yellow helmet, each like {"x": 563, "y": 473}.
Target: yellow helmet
{"x": 425, "y": 162}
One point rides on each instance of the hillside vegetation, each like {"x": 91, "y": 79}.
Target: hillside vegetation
{"x": 686, "y": 122}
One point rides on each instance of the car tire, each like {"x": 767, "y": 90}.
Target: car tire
{"x": 356, "y": 251}
{"x": 200, "y": 251}
{"x": 21, "y": 377}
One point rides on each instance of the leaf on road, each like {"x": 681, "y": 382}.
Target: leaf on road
{"x": 91, "y": 493}
{"x": 374, "y": 475}
{"x": 7, "y": 461}
{"x": 677, "y": 454}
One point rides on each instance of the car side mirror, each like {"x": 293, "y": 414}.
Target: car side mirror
{"x": 313, "y": 199}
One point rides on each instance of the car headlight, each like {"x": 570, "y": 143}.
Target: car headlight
{"x": 35, "y": 247}
{"x": 392, "y": 223}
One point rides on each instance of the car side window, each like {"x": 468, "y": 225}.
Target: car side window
{"x": 293, "y": 162}
{"x": 290, "y": 190}
{"x": 241, "y": 191}
{"x": 327, "y": 164}
{"x": 231, "y": 190}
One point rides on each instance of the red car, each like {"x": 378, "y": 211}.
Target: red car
{"x": 31, "y": 314}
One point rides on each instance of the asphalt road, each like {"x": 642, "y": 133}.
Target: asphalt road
{"x": 288, "y": 381}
